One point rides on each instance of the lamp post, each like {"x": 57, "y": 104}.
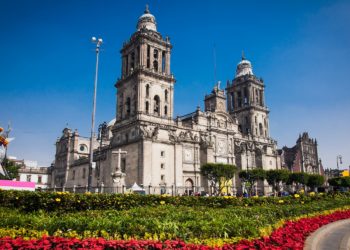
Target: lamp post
{"x": 98, "y": 43}
{"x": 339, "y": 161}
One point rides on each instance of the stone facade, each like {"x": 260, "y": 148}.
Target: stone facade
{"x": 303, "y": 157}
{"x": 162, "y": 151}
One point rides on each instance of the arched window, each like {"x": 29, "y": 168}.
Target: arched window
{"x": 147, "y": 108}
{"x": 155, "y": 65}
{"x": 128, "y": 104}
{"x": 155, "y": 54}
{"x": 166, "y": 110}
{"x": 156, "y": 105}
{"x": 147, "y": 90}
{"x": 261, "y": 129}
{"x": 166, "y": 95}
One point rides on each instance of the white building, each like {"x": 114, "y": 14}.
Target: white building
{"x": 162, "y": 151}
{"x": 30, "y": 171}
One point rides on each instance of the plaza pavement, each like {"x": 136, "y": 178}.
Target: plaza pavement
{"x": 334, "y": 236}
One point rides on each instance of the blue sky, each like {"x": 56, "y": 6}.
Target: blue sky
{"x": 300, "y": 48}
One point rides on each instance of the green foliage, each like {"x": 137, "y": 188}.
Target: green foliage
{"x": 11, "y": 169}
{"x": 315, "y": 180}
{"x": 252, "y": 177}
{"x": 340, "y": 181}
{"x": 185, "y": 222}
{"x": 275, "y": 177}
{"x": 298, "y": 178}
{"x": 217, "y": 174}
{"x": 69, "y": 202}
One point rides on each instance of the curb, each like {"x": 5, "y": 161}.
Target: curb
{"x": 312, "y": 242}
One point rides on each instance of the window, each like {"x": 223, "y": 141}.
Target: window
{"x": 165, "y": 110}
{"x": 162, "y": 153}
{"x": 147, "y": 90}
{"x": 40, "y": 179}
{"x": 128, "y": 101}
{"x": 162, "y": 177}
{"x": 123, "y": 165}
{"x": 155, "y": 54}
{"x": 156, "y": 105}
{"x": 148, "y": 56}
{"x": 73, "y": 175}
{"x": 147, "y": 107}
{"x": 155, "y": 65}
{"x": 239, "y": 97}
{"x": 84, "y": 173}
{"x": 261, "y": 129}
{"x": 256, "y": 120}
{"x": 162, "y": 166}
{"x": 166, "y": 95}
{"x": 83, "y": 148}
{"x": 245, "y": 96}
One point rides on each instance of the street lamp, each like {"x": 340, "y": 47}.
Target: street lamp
{"x": 98, "y": 43}
{"x": 339, "y": 161}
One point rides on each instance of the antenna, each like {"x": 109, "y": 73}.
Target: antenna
{"x": 214, "y": 58}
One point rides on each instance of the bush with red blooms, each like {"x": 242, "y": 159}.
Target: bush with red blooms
{"x": 291, "y": 236}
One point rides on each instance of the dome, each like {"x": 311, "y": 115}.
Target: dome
{"x": 147, "y": 20}
{"x": 244, "y": 67}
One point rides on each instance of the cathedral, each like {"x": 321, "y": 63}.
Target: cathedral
{"x": 147, "y": 145}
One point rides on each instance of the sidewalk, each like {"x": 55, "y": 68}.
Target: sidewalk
{"x": 334, "y": 236}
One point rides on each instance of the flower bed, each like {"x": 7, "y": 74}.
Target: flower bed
{"x": 291, "y": 235}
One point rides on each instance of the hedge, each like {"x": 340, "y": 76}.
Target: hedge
{"x": 63, "y": 201}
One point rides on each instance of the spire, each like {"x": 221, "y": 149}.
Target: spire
{"x": 243, "y": 56}
{"x": 146, "y": 9}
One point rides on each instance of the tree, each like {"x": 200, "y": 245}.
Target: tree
{"x": 251, "y": 177}
{"x": 275, "y": 177}
{"x": 298, "y": 179}
{"x": 218, "y": 174}
{"x": 340, "y": 182}
{"x": 315, "y": 180}
{"x": 11, "y": 169}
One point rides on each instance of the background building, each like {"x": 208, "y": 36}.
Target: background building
{"x": 303, "y": 157}
{"x": 29, "y": 171}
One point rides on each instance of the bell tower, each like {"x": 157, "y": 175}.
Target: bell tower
{"x": 245, "y": 100}
{"x": 216, "y": 100}
{"x": 146, "y": 86}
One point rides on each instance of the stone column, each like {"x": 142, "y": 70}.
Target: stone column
{"x": 167, "y": 62}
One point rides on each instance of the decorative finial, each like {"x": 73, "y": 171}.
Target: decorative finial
{"x": 147, "y": 9}
{"x": 243, "y": 57}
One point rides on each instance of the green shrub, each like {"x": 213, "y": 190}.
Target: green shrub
{"x": 58, "y": 201}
